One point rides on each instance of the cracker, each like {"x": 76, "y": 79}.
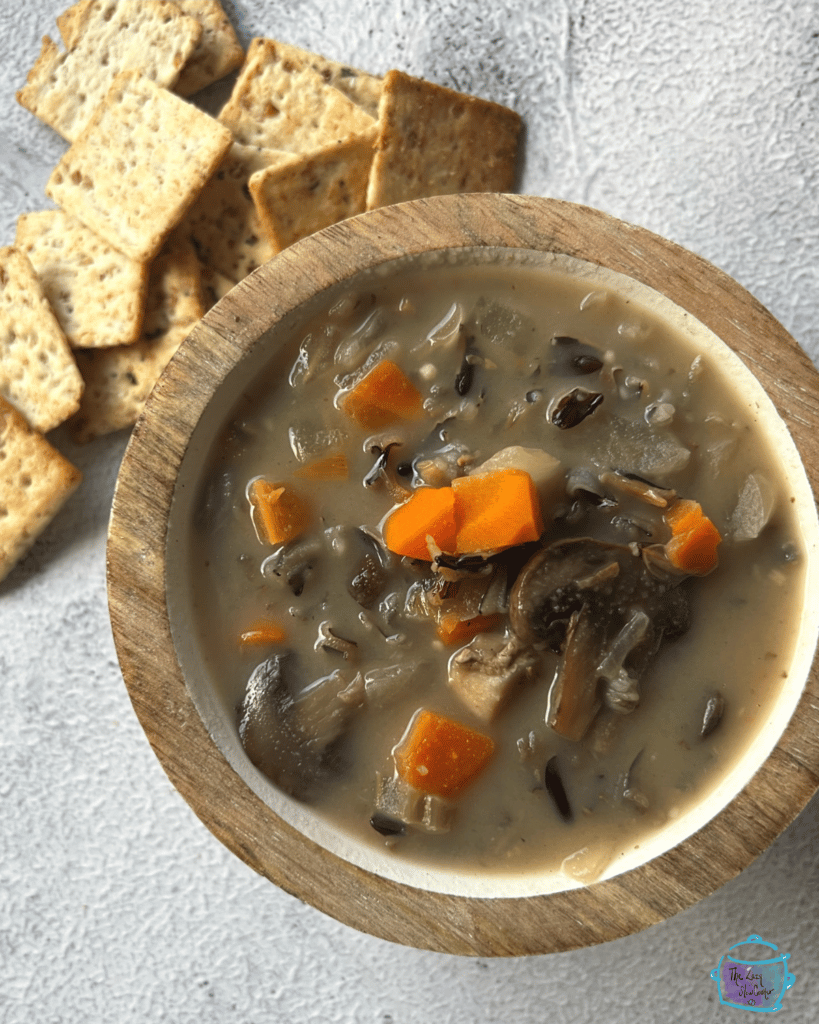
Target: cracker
{"x": 38, "y": 374}
{"x": 139, "y": 164}
{"x": 361, "y": 87}
{"x": 223, "y": 223}
{"x": 104, "y": 38}
{"x": 119, "y": 380}
{"x": 280, "y": 102}
{"x": 35, "y": 483}
{"x": 97, "y": 294}
{"x": 313, "y": 190}
{"x": 218, "y": 52}
{"x": 435, "y": 141}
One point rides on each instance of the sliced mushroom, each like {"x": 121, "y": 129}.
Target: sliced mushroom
{"x": 291, "y": 737}
{"x": 600, "y": 608}
{"x": 573, "y": 699}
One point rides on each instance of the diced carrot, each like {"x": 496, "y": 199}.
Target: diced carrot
{"x": 694, "y": 538}
{"x": 279, "y": 513}
{"x": 452, "y": 629}
{"x": 440, "y": 756}
{"x": 384, "y": 395}
{"x": 331, "y": 467}
{"x": 430, "y": 511}
{"x": 495, "y": 510}
{"x": 263, "y": 632}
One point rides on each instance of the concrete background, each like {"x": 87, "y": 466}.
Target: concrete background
{"x": 698, "y": 120}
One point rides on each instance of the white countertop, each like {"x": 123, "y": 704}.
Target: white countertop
{"x": 694, "y": 119}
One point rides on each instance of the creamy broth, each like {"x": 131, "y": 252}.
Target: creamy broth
{"x": 504, "y": 359}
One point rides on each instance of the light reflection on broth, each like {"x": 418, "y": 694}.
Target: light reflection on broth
{"x": 631, "y": 421}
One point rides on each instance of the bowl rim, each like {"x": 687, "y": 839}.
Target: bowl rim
{"x": 136, "y": 566}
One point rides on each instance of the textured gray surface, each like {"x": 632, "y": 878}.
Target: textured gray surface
{"x": 697, "y": 120}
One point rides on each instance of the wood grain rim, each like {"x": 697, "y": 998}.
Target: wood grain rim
{"x": 139, "y": 617}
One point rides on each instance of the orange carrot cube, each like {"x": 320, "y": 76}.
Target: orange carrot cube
{"x": 430, "y": 511}
{"x": 384, "y": 395}
{"x": 440, "y": 756}
{"x": 279, "y": 514}
{"x": 495, "y": 510}
{"x": 694, "y": 538}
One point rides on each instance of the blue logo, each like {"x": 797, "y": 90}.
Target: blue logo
{"x": 756, "y": 981}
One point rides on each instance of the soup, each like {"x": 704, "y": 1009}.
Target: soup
{"x": 495, "y": 568}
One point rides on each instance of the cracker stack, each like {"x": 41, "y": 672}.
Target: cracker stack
{"x": 138, "y": 165}
{"x": 102, "y": 39}
{"x": 163, "y": 209}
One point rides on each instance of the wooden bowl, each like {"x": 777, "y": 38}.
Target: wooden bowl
{"x": 503, "y": 921}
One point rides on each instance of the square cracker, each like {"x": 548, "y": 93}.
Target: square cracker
{"x": 38, "y": 374}
{"x": 97, "y": 294}
{"x": 35, "y": 482}
{"x": 119, "y": 380}
{"x": 103, "y": 38}
{"x": 313, "y": 190}
{"x": 435, "y": 141}
{"x": 223, "y": 223}
{"x": 264, "y": 56}
{"x": 218, "y": 52}
{"x": 282, "y": 102}
{"x": 138, "y": 165}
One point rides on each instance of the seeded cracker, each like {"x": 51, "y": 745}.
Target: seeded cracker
{"x": 119, "y": 380}
{"x": 97, "y": 294}
{"x": 223, "y": 223}
{"x": 435, "y": 141}
{"x": 266, "y": 57}
{"x": 104, "y": 38}
{"x": 219, "y": 51}
{"x": 37, "y": 370}
{"x": 313, "y": 190}
{"x": 285, "y": 104}
{"x": 34, "y": 484}
{"x": 142, "y": 160}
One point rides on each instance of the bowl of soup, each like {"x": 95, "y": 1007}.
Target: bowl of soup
{"x": 459, "y": 573}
